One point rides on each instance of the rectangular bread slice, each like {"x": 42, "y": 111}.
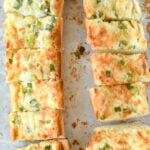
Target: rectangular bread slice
{"x": 35, "y": 8}
{"x": 119, "y": 102}
{"x": 121, "y": 137}
{"x": 31, "y": 32}
{"x": 32, "y": 65}
{"x": 40, "y": 125}
{"x": 116, "y": 36}
{"x": 36, "y": 96}
{"x": 112, "y": 9}
{"x": 112, "y": 69}
{"x": 62, "y": 144}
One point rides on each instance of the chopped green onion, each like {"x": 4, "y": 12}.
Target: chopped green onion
{"x": 52, "y": 67}
{"x": 30, "y": 2}
{"x": 108, "y": 73}
{"x": 99, "y": 1}
{"x": 121, "y": 62}
{"x": 10, "y": 61}
{"x": 103, "y": 117}
{"x": 49, "y": 27}
{"x": 133, "y": 89}
{"x": 45, "y": 9}
{"x": 117, "y": 109}
{"x": 29, "y": 85}
{"x": 49, "y": 147}
{"x": 17, "y": 4}
{"x": 129, "y": 76}
{"x": 106, "y": 147}
{"x": 16, "y": 121}
{"x": 34, "y": 104}
{"x": 121, "y": 25}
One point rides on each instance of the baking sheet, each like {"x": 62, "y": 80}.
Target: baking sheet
{"x": 79, "y": 118}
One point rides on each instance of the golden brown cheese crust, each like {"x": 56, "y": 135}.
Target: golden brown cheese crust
{"x": 38, "y": 95}
{"x": 36, "y": 125}
{"x": 35, "y": 8}
{"x": 116, "y": 36}
{"x": 119, "y": 102}
{"x": 30, "y": 32}
{"x": 121, "y": 137}
{"x": 112, "y": 9}
{"x": 112, "y": 69}
{"x": 31, "y": 65}
{"x": 49, "y": 145}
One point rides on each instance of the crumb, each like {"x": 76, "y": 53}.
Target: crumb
{"x": 78, "y": 119}
{"x": 75, "y": 142}
{"x": 79, "y": 52}
{"x": 71, "y": 97}
{"x": 74, "y": 124}
{"x": 84, "y": 123}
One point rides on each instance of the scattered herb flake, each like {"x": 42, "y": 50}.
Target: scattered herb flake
{"x": 117, "y": 109}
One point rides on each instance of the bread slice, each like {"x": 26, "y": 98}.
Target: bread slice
{"x": 36, "y": 96}
{"x": 33, "y": 65}
{"x": 119, "y": 102}
{"x": 41, "y": 125}
{"x": 35, "y": 8}
{"x": 112, "y": 69}
{"x": 112, "y": 9}
{"x": 31, "y": 32}
{"x": 62, "y": 144}
{"x": 116, "y": 36}
{"x": 124, "y": 136}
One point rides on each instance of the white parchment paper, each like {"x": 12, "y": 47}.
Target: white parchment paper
{"x": 79, "y": 118}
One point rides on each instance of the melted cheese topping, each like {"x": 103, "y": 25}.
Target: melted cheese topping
{"x": 31, "y": 65}
{"x": 35, "y": 8}
{"x": 116, "y": 36}
{"x": 30, "y": 32}
{"x": 36, "y": 125}
{"x": 111, "y": 69}
{"x": 121, "y": 137}
{"x": 119, "y": 102}
{"x": 49, "y": 145}
{"x": 112, "y": 9}
{"x": 36, "y": 96}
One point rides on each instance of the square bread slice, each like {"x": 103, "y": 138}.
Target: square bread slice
{"x": 116, "y": 36}
{"x": 40, "y": 125}
{"x": 112, "y": 69}
{"x": 32, "y": 65}
{"x": 36, "y": 96}
{"x": 131, "y": 136}
{"x": 31, "y": 32}
{"x": 119, "y": 102}
{"x": 35, "y": 8}
{"x": 112, "y": 9}
{"x": 61, "y": 144}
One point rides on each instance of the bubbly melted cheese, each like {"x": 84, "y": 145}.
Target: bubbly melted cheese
{"x": 36, "y": 125}
{"x": 111, "y": 69}
{"x": 32, "y": 65}
{"x": 116, "y": 36}
{"x": 35, "y": 8}
{"x": 36, "y": 96}
{"x": 30, "y": 32}
{"x": 121, "y": 137}
{"x": 112, "y": 9}
{"x": 119, "y": 102}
